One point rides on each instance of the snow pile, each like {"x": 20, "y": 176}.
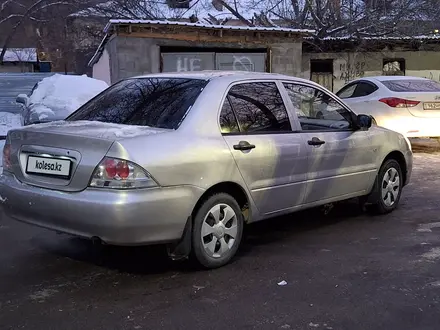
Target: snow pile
{"x": 64, "y": 93}
{"x": 7, "y": 122}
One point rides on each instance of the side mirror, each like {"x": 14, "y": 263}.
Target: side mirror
{"x": 22, "y": 99}
{"x": 364, "y": 121}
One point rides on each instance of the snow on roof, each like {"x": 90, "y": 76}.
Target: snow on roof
{"x": 20, "y": 55}
{"x": 208, "y": 26}
{"x": 63, "y": 94}
{"x": 111, "y": 22}
{"x": 384, "y": 38}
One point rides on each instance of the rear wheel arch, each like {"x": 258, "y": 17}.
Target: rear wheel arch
{"x": 182, "y": 248}
{"x": 234, "y": 190}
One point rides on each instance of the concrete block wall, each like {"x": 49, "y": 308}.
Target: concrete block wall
{"x": 134, "y": 56}
{"x": 287, "y": 58}
{"x": 350, "y": 66}
{"x": 131, "y": 56}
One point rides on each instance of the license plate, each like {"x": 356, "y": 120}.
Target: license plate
{"x": 431, "y": 106}
{"x": 48, "y": 166}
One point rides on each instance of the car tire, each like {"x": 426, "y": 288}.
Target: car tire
{"x": 217, "y": 231}
{"x": 387, "y": 189}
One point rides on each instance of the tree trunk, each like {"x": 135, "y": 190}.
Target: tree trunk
{"x": 8, "y": 40}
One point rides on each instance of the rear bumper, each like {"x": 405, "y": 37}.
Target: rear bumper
{"x": 138, "y": 217}
{"x": 411, "y": 126}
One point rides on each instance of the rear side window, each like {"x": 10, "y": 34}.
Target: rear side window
{"x": 412, "y": 85}
{"x": 347, "y": 91}
{"x": 357, "y": 90}
{"x": 364, "y": 89}
{"x": 228, "y": 121}
{"x": 258, "y": 107}
{"x": 153, "y": 102}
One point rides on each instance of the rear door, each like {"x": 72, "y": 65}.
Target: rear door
{"x": 423, "y": 95}
{"x": 272, "y": 158}
{"x": 340, "y": 158}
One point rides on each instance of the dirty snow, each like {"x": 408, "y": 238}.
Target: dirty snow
{"x": 432, "y": 255}
{"x": 63, "y": 93}
{"x": 427, "y": 227}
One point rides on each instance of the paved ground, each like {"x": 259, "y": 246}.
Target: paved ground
{"x": 343, "y": 271}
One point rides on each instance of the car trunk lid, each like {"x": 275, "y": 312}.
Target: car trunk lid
{"x": 63, "y": 155}
{"x": 421, "y": 96}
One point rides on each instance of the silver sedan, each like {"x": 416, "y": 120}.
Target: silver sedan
{"x": 187, "y": 159}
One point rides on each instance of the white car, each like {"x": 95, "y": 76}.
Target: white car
{"x": 408, "y": 105}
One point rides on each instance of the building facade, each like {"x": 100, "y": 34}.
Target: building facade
{"x": 133, "y": 48}
{"x": 333, "y": 63}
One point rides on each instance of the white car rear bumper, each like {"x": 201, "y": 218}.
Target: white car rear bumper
{"x": 411, "y": 126}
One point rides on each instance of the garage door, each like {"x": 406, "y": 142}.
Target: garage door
{"x": 177, "y": 62}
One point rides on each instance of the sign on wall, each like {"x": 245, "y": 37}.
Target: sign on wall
{"x": 178, "y": 62}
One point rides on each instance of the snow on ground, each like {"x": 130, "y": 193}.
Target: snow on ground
{"x": 8, "y": 121}
{"x": 64, "y": 94}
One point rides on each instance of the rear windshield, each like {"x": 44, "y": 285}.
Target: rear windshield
{"x": 412, "y": 85}
{"x": 154, "y": 102}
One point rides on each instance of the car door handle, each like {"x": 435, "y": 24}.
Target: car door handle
{"x": 243, "y": 145}
{"x": 315, "y": 142}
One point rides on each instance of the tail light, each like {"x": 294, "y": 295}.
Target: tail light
{"x": 396, "y": 102}
{"x": 120, "y": 174}
{"x": 7, "y": 157}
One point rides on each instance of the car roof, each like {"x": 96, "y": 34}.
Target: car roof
{"x": 390, "y": 78}
{"x": 224, "y": 75}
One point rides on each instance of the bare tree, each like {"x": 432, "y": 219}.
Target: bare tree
{"x": 329, "y": 18}
{"x": 348, "y": 18}
{"x": 15, "y": 14}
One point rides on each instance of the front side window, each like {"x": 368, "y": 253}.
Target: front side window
{"x": 317, "y": 110}
{"x": 259, "y": 108}
{"x": 153, "y": 102}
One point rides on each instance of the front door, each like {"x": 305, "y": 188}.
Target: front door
{"x": 340, "y": 157}
{"x": 271, "y": 158}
